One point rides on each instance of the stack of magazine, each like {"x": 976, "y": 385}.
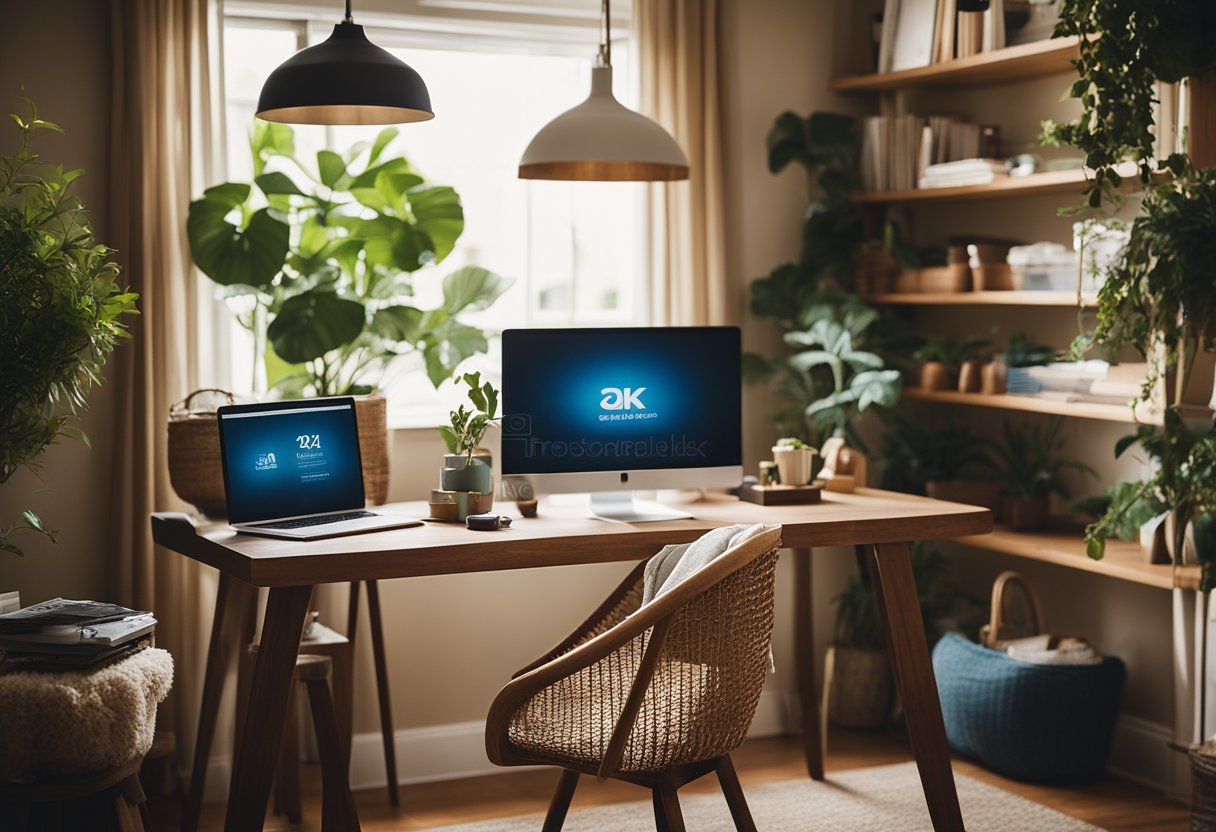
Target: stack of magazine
{"x": 74, "y": 633}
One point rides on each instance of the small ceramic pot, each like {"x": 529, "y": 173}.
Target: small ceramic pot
{"x": 1026, "y": 515}
{"x": 969, "y": 376}
{"x": 934, "y": 375}
{"x": 463, "y": 474}
{"x": 794, "y": 464}
{"x": 992, "y": 378}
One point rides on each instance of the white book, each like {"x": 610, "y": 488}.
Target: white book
{"x": 890, "y": 15}
{"x": 914, "y": 27}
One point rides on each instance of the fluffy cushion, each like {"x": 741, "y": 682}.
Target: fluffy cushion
{"x": 79, "y": 722}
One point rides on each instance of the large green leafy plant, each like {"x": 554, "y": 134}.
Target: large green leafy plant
{"x": 320, "y": 260}
{"x": 61, "y": 309}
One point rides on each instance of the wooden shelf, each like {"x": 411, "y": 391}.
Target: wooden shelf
{"x": 1032, "y": 404}
{"x": 1123, "y": 560}
{"x": 1004, "y": 66}
{"x": 1020, "y": 298}
{"x": 1036, "y": 184}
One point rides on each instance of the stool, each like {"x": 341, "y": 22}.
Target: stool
{"x": 338, "y": 812}
{"x": 19, "y": 802}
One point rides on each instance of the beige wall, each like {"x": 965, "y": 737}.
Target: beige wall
{"x": 59, "y": 52}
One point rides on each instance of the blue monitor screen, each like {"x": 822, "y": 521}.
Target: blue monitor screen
{"x": 290, "y": 458}
{"x": 584, "y": 400}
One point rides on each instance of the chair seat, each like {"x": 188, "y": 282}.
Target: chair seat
{"x": 80, "y": 722}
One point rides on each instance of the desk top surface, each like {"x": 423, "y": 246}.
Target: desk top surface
{"x": 557, "y": 537}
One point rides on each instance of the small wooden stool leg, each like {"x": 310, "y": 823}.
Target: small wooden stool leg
{"x": 386, "y": 707}
{"x": 338, "y": 812}
{"x": 131, "y": 804}
{"x": 555, "y": 818}
{"x": 287, "y": 794}
{"x": 733, "y": 792}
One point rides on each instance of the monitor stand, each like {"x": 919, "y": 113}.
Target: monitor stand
{"x": 620, "y": 505}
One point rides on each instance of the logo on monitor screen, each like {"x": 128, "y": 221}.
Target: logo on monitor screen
{"x": 622, "y": 398}
{"x": 266, "y": 462}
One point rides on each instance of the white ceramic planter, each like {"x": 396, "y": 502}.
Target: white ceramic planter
{"x": 793, "y": 464}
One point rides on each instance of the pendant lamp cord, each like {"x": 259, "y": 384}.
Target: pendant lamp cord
{"x": 349, "y": 19}
{"x": 605, "y": 56}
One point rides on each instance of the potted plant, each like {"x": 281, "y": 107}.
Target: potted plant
{"x": 1030, "y": 472}
{"x": 941, "y": 462}
{"x": 319, "y": 262}
{"x": 61, "y": 311}
{"x": 462, "y": 469}
{"x": 1122, "y": 510}
{"x": 942, "y": 358}
{"x": 795, "y": 461}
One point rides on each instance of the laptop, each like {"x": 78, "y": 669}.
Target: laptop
{"x": 292, "y": 469}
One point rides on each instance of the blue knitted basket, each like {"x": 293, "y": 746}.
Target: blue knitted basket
{"x": 1039, "y": 723}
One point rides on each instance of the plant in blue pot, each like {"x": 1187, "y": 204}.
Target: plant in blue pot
{"x": 464, "y": 468}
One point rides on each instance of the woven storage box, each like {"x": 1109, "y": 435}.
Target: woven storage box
{"x": 1040, "y": 723}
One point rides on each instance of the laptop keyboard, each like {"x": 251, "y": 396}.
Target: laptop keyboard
{"x": 302, "y": 522}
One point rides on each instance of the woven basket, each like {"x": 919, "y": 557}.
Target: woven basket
{"x": 1203, "y": 787}
{"x": 194, "y": 451}
{"x": 372, "y": 415}
{"x": 858, "y": 689}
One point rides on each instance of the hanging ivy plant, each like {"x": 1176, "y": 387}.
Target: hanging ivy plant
{"x": 1127, "y": 46}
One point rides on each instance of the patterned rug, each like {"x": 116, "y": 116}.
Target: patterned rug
{"x": 880, "y": 799}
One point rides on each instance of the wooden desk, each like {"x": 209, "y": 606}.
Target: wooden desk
{"x": 879, "y": 523}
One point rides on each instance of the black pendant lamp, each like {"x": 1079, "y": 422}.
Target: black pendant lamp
{"x": 345, "y": 80}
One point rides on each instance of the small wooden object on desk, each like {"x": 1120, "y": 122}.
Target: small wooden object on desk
{"x": 781, "y": 495}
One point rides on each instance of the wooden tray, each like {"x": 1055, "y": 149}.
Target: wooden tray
{"x": 781, "y": 495}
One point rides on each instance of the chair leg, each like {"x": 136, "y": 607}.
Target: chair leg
{"x": 668, "y": 817}
{"x": 555, "y": 818}
{"x": 338, "y": 812}
{"x": 386, "y": 708}
{"x": 734, "y": 795}
{"x": 287, "y": 796}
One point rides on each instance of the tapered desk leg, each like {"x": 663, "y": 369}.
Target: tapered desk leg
{"x": 899, "y": 608}
{"x": 386, "y": 708}
{"x": 804, "y": 651}
{"x": 262, "y": 730}
{"x": 233, "y": 602}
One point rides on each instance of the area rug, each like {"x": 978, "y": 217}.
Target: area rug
{"x": 880, "y": 799}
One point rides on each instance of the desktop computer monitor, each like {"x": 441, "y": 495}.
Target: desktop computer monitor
{"x": 608, "y": 411}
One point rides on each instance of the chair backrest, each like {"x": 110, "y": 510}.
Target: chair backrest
{"x": 642, "y": 688}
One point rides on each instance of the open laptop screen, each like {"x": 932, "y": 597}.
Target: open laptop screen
{"x": 289, "y": 459}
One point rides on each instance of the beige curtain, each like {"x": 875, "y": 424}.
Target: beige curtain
{"x": 165, "y": 75}
{"x": 677, "y": 47}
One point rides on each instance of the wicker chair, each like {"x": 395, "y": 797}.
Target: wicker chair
{"x": 656, "y": 695}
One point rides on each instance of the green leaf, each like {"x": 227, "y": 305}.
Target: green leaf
{"x": 449, "y": 439}
{"x": 227, "y": 253}
{"x": 331, "y": 168}
{"x": 472, "y": 288}
{"x": 814, "y": 358}
{"x": 449, "y": 345}
{"x": 277, "y": 183}
{"x": 382, "y": 141}
{"x": 398, "y": 323}
{"x": 313, "y": 323}
{"x": 438, "y": 214}
{"x": 1095, "y": 547}
{"x": 268, "y": 138}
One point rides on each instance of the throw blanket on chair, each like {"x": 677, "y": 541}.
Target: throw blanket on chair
{"x": 675, "y": 563}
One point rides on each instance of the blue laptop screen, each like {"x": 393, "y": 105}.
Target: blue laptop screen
{"x": 290, "y": 459}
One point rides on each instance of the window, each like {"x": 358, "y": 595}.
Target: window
{"x": 574, "y": 250}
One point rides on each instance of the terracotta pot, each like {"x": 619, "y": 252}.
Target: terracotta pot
{"x": 969, "y": 376}
{"x": 371, "y": 414}
{"x": 1027, "y": 515}
{"x": 934, "y": 375}
{"x": 861, "y": 690}
{"x": 992, "y": 378}
{"x": 982, "y": 493}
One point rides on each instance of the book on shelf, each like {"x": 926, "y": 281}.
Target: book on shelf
{"x": 917, "y": 33}
{"x": 963, "y": 172}
{"x": 899, "y": 152}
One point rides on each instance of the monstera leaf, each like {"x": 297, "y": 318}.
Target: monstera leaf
{"x": 438, "y": 214}
{"x": 472, "y": 289}
{"x": 250, "y": 254}
{"x": 313, "y": 323}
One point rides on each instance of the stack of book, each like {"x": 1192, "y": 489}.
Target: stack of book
{"x": 898, "y": 151}
{"x": 74, "y": 633}
{"x": 963, "y": 172}
{"x": 917, "y": 33}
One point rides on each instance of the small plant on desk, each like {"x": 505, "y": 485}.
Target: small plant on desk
{"x": 462, "y": 471}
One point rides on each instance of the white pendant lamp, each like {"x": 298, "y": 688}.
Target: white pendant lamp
{"x": 601, "y": 140}
{"x": 347, "y": 79}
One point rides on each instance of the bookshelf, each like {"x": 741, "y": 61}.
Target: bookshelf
{"x": 1123, "y": 560}
{"x": 1015, "y": 298}
{"x": 1034, "y": 404}
{"x": 1003, "y": 66}
{"x": 1036, "y": 184}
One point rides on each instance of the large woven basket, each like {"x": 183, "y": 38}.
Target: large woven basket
{"x": 858, "y": 688}
{"x": 1203, "y": 787}
{"x": 194, "y": 450}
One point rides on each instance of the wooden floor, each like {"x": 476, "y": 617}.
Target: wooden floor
{"x": 1111, "y": 804}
